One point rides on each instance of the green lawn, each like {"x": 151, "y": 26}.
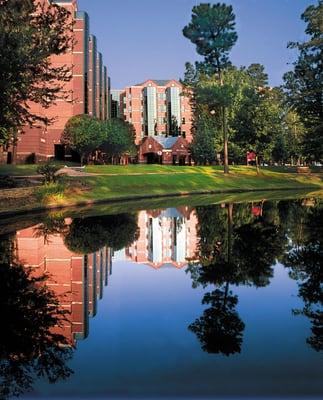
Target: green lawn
{"x": 177, "y": 180}
{"x": 130, "y": 182}
{"x": 27, "y": 169}
{"x": 31, "y": 169}
{"x": 20, "y": 169}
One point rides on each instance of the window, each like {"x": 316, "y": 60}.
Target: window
{"x": 184, "y": 134}
{"x": 183, "y": 120}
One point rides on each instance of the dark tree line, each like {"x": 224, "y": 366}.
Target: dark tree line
{"x": 235, "y": 111}
{"x": 29, "y": 346}
{"x": 237, "y": 248}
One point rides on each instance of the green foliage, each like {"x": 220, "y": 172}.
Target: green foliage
{"x": 52, "y": 224}
{"x": 212, "y": 30}
{"x": 83, "y": 134}
{"x": 29, "y": 35}
{"x": 206, "y": 142}
{"x": 48, "y": 170}
{"x": 304, "y": 85}
{"x": 119, "y": 138}
{"x": 254, "y": 114}
{"x": 88, "y": 235}
{"x": 29, "y": 346}
{"x": 51, "y": 192}
{"x": 258, "y": 121}
{"x": 305, "y": 262}
{"x": 85, "y": 236}
{"x": 258, "y": 75}
{"x": 219, "y": 329}
{"x": 234, "y": 248}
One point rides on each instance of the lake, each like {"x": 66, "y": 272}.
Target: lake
{"x": 192, "y": 298}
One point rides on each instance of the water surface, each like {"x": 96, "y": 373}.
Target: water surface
{"x": 213, "y": 301}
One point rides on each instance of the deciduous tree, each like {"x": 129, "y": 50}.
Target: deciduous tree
{"x": 304, "y": 85}
{"x": 118, "y": 139}
{"x": 83, "y": 134}
{"x": 29, "y": 35}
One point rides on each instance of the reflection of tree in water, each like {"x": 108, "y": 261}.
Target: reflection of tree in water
{"x": 305, "y": 260}
{"x": 87, "y": 235}
{"x": 219, "y": 329}
{"x": 52, "y": 224}
{"x": 29, "y": 347}
{"x": 235, "y": 249}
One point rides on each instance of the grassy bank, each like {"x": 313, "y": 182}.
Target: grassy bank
{"x": 131, "y": 182}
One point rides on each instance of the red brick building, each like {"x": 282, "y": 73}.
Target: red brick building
{"x": 166, "y": 237}
{"x": 88, "y": 93}
{"x": 157, "y": 109}
{"x": 77, "y": 280}
{"x": 160, "y": 149}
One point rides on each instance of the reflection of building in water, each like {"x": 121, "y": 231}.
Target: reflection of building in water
{"x": 166, "y": 237}
{"x": 76, "y": 279}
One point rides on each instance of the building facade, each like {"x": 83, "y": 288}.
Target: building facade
{"x": 76, "y": 280}
{"x": 88, "y": 93}
{"x": 155, "y": 107}
{"x": 166, "y": 237}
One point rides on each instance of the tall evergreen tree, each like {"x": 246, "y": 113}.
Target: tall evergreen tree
{"x": 212, "y": 30}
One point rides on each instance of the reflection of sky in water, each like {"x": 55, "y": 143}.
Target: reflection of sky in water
{"x": 139, "y": 343}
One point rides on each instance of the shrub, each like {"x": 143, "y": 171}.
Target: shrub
{"x": 48, "y": 170}
{"x": 7, "y": 182}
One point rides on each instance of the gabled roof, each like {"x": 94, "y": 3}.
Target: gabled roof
{"x": 166, "y": 142}
{"x": 158, "y": 82}
{"x": 171, "y": 213}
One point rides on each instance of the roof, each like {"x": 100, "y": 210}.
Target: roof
{"x": 166, "y": 142}
{"x": 165, "y": 265}
{"x": 159, "y": 82}
{"x": 171, "y": 213}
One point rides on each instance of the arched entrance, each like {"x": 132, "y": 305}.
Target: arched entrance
{"x": 153, "y": 158}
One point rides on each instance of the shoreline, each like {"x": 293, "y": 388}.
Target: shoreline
{"x": 114, "y": 185}
{"x": 172, "y": 195}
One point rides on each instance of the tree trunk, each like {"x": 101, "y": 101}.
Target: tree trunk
{"x": 226, "y": 292}
{"x": 257, "y": 165}
{"x": 14, "y": 147}
{"x": 14, "y": 153}
{"x": 225, "y": 141}
{"x": 224, "y": 127}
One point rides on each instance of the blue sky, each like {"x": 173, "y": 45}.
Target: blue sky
{"x": 142, "y": 39}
